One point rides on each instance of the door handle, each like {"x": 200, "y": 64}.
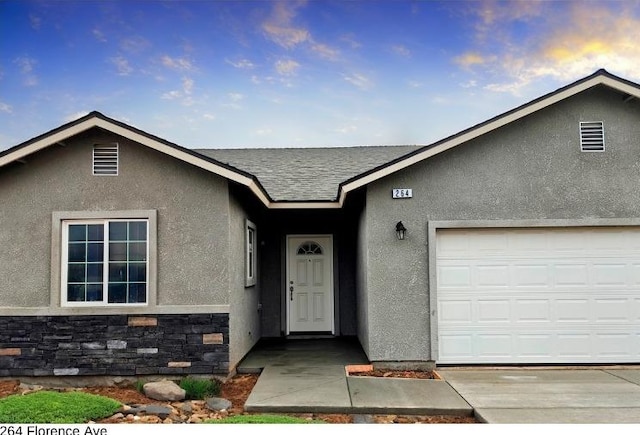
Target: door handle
{"x": 291, "y": 292}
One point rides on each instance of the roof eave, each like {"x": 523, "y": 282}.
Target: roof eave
{"x": 600, "y": 77}
{"x": 96, "y": 119}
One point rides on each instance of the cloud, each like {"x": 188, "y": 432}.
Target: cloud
{"x": 99, "y": 35}
{"x": 27, "y": 66}
{"x": 358, "y": 80}
{"x": 559, "y": 40}
{"x": 35, "y": 22}
{"x": 279, "y": 28}
{"x": 351, "y": 41}
{"x": 347, "y": 129}
{"x": 6, "y": 108}
{"x": 241, "y": 64}
{"x": 401, "y": 50}
{"x": 184, "y": 94}
{"x": 209, "y": 116}
{"x": 134, "y": 44}
{"x": 122, "y": 65}
{"x": 287, "y": 67}
{"x": 178, "y": 63}
{"x": 471, "y": 58}
{"x": 325, "y": 51}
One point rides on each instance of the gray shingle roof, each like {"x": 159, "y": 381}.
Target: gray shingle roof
{"x": 306, "y": 174}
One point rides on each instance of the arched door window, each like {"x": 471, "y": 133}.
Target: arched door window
{"x": 309, "y": 248}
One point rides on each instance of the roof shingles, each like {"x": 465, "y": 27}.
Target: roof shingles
{"x": 306, "y": 174}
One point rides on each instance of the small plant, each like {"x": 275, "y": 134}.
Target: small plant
{"x": 55, "y": 407}
{"x": 140, "y": 386}
{"x": 263, "y": 419}
{"x": 198, "y": 389}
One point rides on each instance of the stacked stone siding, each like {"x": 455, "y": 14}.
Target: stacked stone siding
{"x": 117, "y": 345}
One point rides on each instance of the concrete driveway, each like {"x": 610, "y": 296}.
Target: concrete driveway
{"x": 550, "y": 395}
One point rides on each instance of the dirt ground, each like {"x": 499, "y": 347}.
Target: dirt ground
{"x": 237, "y": 390}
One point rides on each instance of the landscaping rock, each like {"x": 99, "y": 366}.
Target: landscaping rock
{"x": 164, "y": 391}
{"x": 218, "y": 404}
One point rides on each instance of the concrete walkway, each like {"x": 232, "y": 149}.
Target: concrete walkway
{"x": 550, "y": 395}
{"x": 309, "y": 376}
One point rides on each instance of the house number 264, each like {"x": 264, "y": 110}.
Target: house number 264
{"x": 402, "y": 193}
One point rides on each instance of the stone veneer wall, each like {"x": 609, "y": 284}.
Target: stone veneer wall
{"x": 118, "y": 345}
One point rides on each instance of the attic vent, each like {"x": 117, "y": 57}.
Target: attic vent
{"x": 105, "y": 159}
{"x": 592, "y": 136}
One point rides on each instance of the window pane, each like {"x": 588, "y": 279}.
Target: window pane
{"x": 117, "y": 293}
{"x": 117, "y": 231}
{"x": 117, "y": 272}
{"x": 76, "y": 273}
{"x": 77, "y": 233}
{"x": 137, "y": 293}
{"x": 137, "y": 251}
{"x": 118, "y": 251}
{"x": 94, "y": 272}
{"x": 137, "y": 272}
{"x": 75, "y": 292}
{"x": 77, "y": 253}
{"x": 95, "y": 252}
{"x": 137, "y": 231}
{"x": 94, "y": 292}
{"x": 96, "y": 232}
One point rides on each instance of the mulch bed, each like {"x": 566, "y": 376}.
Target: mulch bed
{"x": 237, "y": 390}
{"x": 408, "y": 374}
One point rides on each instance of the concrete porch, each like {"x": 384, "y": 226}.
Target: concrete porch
{"x": 309, "y": 376}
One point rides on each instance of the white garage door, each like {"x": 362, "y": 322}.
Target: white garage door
{"x": 562, "y": 295}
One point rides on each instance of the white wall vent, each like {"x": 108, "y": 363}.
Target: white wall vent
{"x": 105, "y": 159}
{"x": 592, "y": 136}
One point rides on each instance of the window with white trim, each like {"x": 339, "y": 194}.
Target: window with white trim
{"x": 250, "y": 253}
{"x": 105, "y": 262}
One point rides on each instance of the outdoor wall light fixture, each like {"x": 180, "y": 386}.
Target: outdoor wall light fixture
{"x": 400, "y": 230}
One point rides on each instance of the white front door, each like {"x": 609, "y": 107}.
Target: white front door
{"x": 309, "y": 289}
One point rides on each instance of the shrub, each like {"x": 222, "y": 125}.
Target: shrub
{"x": 55, "y": 407}
{"x": 198, "y": 389}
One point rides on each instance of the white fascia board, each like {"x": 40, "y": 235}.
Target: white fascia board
{"x": 47, "y": 141}
{"x": 486, "y": 128}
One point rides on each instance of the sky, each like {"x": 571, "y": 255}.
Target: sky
{"x": 238, "y": 74}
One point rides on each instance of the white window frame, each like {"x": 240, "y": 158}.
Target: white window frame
{"x": 59, "y": 253}
{"x": 250, "y": 257}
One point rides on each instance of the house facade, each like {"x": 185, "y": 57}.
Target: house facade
{"x": 124, "y": 254}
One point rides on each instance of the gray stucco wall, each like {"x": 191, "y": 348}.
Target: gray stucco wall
{"x": 362, "y": 267}
{"x": 531, "y": 169}
{"x": 244, "y": 318}
{"x": 192, "y": 208}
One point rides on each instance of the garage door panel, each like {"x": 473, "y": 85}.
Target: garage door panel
{"x": 543, "y": 295}
{"x": 532, "y": 310}
{"x": 455, "y": 312}
{"x": 570, "y": 275}
{"x": 492, "y": 311}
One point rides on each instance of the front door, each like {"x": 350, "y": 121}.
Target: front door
{"x": 309, "y": 287}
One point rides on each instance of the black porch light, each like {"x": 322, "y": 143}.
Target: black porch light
{"x": 400, "y": 230}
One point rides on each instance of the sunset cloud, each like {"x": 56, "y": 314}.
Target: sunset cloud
{"x": 279, "y": 27}
{"x": 287, "y": 67}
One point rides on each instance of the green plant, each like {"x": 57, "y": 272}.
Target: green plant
{"x": 55, "y": 407}
{"x": 198, "y": 389}
{"x": 263, "y": 419}
{"x": 140, "y": 386}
